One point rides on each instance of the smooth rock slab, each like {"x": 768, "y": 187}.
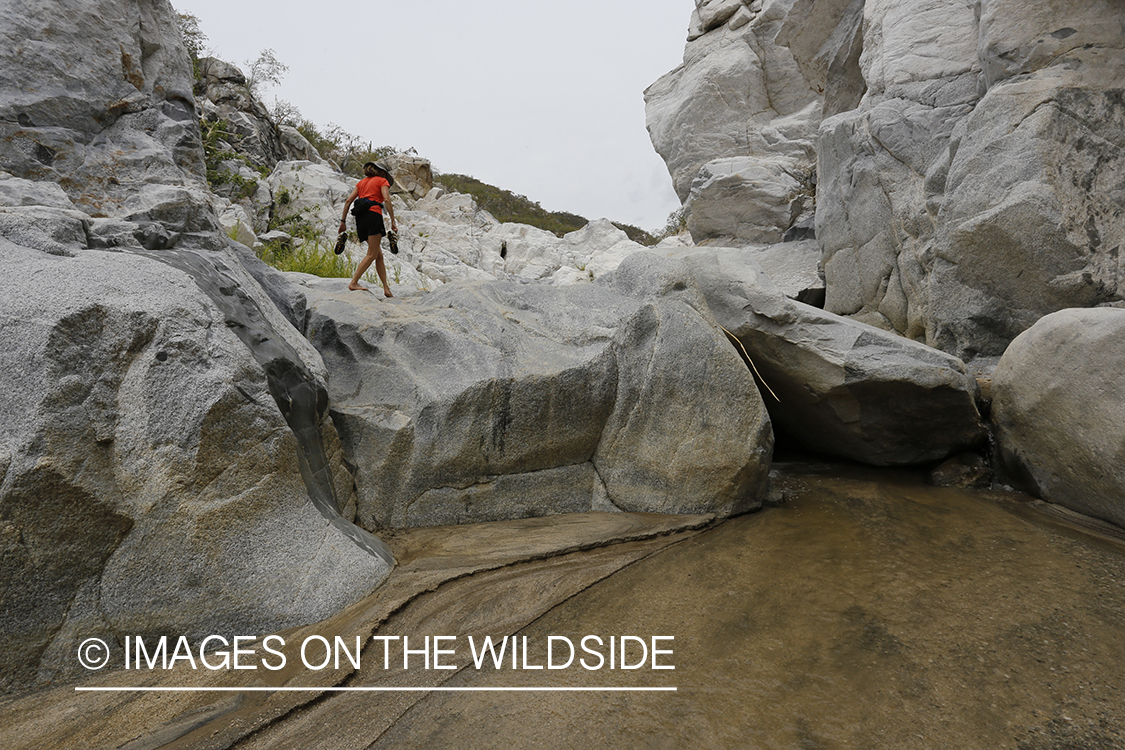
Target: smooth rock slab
{"x": 500, "y": 400}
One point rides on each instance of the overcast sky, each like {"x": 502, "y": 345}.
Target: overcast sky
{"x": 540, "y": 98}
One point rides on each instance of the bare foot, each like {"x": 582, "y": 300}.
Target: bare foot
{"x": 357, "y": 288}
{"x": 387, "y": 292}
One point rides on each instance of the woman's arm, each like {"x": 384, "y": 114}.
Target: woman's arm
{"x": 390, "y": 209}
{"x": 348, "y": 204}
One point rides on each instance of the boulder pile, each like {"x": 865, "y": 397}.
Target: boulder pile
{"x": 963, "y": 162}
{"x": 963, "y": 165}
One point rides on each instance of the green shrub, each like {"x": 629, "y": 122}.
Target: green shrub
{"x": 676, "y": 223}
{"x": 636, "y": 234}
{"x": 316, "y": 258}
{"x": 193, "y": 38}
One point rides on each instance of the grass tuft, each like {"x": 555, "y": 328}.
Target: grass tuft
{"x": 315, "y": 258}
{"x": 309, "y": 257}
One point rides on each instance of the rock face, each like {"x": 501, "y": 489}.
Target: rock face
{"x": 967, "y": 166}
{"x": 150, "y": 483}
{"x": 736, "y": 124}
{"x": 413, "y": 175}
{"x": 1058, "y": 406}
{"x": 497, "y": 400}
{"x": 309, "y": 193}
{"x": 114, "y": 127}
{"x": 842, "y": 387}
{"x": 945, "y": 212}
{"x": 165, "y": 461}
{"x": 226, "y": 97}
{"x": 972, "y": 191}
{"x": 445, "y": 237}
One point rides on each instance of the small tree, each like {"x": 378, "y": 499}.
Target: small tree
{"x": 267, "y": 69}
{"x": 192, "y": 37}
{"x": 285, "y": 112}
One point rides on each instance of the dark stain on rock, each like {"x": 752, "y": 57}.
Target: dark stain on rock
{"x": 1092, "y": 234}
{"x": 45, "y": 154}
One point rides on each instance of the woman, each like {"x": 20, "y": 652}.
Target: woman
{"x": 374, "y": 190}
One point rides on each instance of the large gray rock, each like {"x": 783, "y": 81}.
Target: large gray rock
{"x": 736, "y": 125}
{"x": 413, "y": 174}
{"x": 794, "y": 268}
{"x": 826, "y": 39}
{"x": 296, "y": 147}
{"x": 500, "y": 400}
{"x": 446, "y": 237}
{"x": 842, "y": 387}
{"x": 873, "y": 219}
{"x": 966, "y": 168}
{"x": 1032, "y": 220}
{"x": 96, "y": 97}
{"x": 53, "y": 230}
{"x": 1059, "y": 405}
{"x": 149, "y": 482}
{"x": 309, "y": 195}
{"x": 165, "y": 461}
{"x": 747, "y": 198}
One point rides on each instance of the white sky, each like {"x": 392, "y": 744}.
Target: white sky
{"x": 540, "y": 98}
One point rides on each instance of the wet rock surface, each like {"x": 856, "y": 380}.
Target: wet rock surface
{"x": 867, "y": 611}
{"x": 843, "y": 648}
{"x": 476, "y": 566}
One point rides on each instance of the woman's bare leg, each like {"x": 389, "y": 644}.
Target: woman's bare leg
{"x": 381, "y": 269}
{"x": 374, "y": 255}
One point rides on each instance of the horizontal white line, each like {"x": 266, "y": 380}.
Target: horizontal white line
{"x": 373, "y": 689}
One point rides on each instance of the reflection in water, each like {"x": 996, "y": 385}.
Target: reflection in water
{"x": 860, "y": 614}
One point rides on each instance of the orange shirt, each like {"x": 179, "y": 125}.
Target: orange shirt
{"x": 372, "y": 187}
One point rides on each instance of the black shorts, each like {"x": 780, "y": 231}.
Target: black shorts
{"x": 369, "y": 223}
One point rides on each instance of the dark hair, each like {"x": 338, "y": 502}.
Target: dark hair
{"x": 371, "y": 169}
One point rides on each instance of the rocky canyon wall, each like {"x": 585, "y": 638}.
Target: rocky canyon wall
{"x": 190, "y": 437}
{"x": 968, "y": 156}
{"x": 166, "y": 465}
